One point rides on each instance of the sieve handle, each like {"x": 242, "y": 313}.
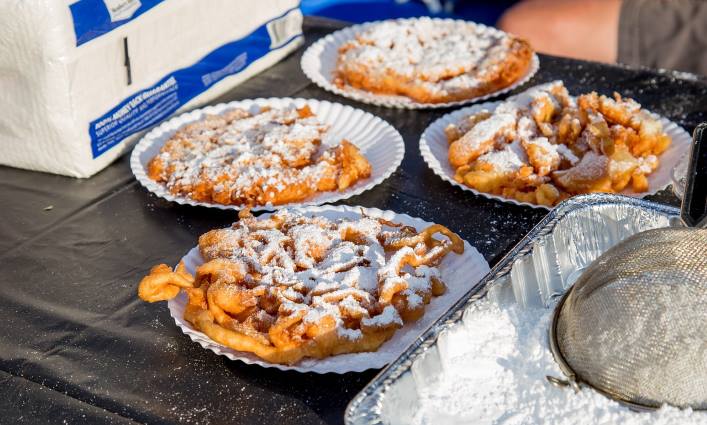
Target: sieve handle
{"x": 694, "y": 202}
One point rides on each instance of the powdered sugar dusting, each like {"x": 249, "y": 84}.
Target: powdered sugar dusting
{"x": 442, "y": 57}
{"x": 544, "y": 145}
{"x": 388, "y": 316}
{"x": 507, "y": 160}
{"x": 495, "y": 370}
{"x": 254, "y": 157}
{"x": 336, "y": 269}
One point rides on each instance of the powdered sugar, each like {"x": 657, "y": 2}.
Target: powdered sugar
{"x": 647, "y": 164}
{"x": 495, "y": 127}
{"x": 567, "y": 154}
{"x": 247, "y": 157}
{"x": 572, "y": 145}
{"x": 441, "y": 57}
{"x": 507, "y": 160}
{"x": 430, "y": 51}
{"x": 388, "y": 316}
{"x": 329, "y": 268}
{"x": 495, "y": 368}
{"x": 591, "y": 167}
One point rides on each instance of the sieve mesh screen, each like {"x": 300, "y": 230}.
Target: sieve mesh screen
{"x": 634, "y": 325}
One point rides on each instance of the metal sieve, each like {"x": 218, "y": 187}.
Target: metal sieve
{"x": 634, "y": 325}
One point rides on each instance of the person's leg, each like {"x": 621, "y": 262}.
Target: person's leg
{"x": 585, "y": 29}
{"x": 664, "y": 34}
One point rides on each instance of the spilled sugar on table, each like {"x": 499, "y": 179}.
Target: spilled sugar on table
{"x": 77, "y": 344}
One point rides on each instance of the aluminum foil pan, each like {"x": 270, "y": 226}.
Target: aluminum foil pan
{"x": 536, "y": 271}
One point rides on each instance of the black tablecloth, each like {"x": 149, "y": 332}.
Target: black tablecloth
{"x": 76, "y": 343}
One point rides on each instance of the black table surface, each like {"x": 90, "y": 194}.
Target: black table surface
{"x": 77, "y": 345}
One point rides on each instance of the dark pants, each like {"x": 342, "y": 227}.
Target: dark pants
{"x": 664, "y": 34}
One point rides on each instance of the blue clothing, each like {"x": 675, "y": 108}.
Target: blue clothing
{"x": 485, "y": 12}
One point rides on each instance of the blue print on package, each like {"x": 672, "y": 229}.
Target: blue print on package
{"x": 93, "y": 18}
{"x": 149, "y": 106}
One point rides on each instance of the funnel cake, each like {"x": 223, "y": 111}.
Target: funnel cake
{"x": 272, "y": 156}
{"x": 543, "y": 146}
{"x": 290, "y": 286}
{"x": 432, "y": 61}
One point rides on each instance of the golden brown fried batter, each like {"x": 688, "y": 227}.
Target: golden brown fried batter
{"x": 291, "y": 286}
{"x": 273, "y": 157}
{"x": 432, "y": 61}
{"x": 543, "y": 146}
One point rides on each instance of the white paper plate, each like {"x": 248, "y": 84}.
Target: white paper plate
{"x": 459, "y": 272}
{"x": 434, "y": 148}
{"x": 378, "y": 141}
{"x": 679, "y": 175}
{"x": 319, "y": 62}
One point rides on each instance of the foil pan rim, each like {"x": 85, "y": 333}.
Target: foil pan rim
{"x": 365, "y": 407}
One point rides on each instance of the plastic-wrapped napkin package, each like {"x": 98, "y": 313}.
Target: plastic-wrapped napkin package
{"x": 82, "y": 79}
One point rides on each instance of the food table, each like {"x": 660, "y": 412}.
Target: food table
{"x": 79, "y": 346}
